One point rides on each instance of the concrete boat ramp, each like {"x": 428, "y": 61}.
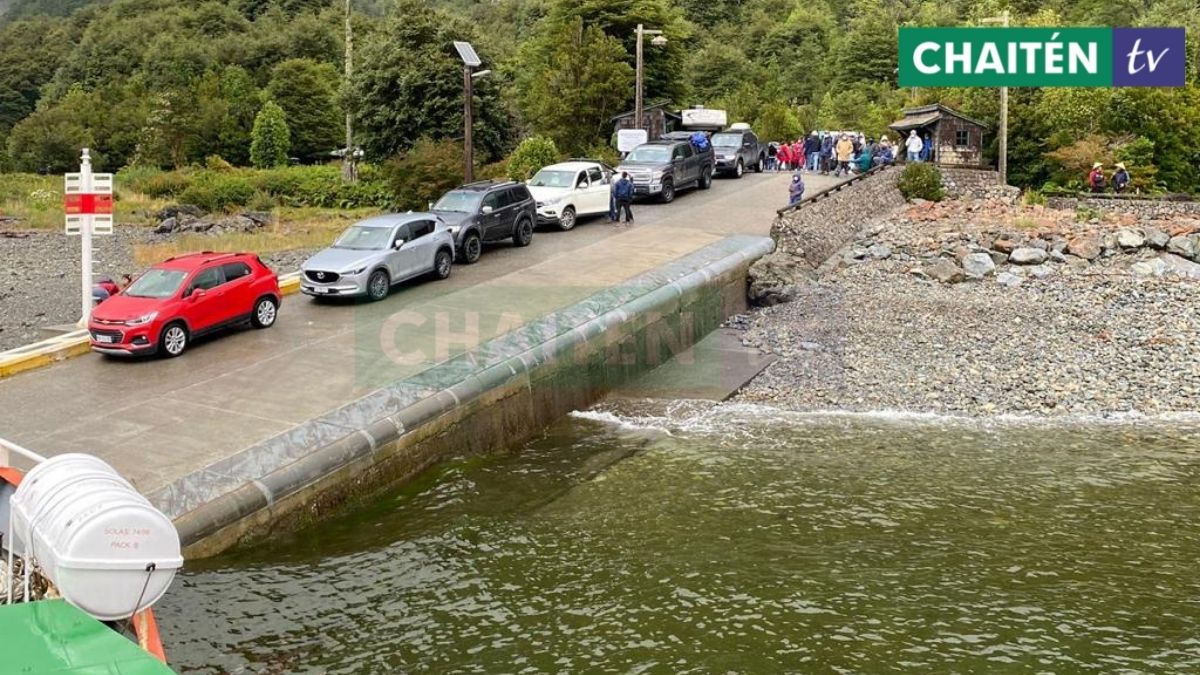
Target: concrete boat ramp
{"x": 261, "y": 430}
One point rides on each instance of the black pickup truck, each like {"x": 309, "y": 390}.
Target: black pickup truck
{"x": 663, "y": 167}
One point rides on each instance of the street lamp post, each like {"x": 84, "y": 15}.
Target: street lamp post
{"x": 1002, "y": 160}
{"x": 470, "y": 61}
{"x": 658, "y": 41}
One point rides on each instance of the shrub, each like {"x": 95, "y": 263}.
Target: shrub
{"x": 218, "y": 192}
{"x": 531, "y": 155}
{"x": 604, "y": 153}
{"x": 921, "y": 180}
{"x": 169, "y": 184}
{"x": 270, "y": 139}
{"x": 217, "y": 163}
{"x": 424, "y": 172}
{"x": 1034, "y": 198}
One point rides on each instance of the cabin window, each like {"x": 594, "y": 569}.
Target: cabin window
{"x": 962, "y": 137}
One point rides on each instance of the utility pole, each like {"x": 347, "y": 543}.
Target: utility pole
{"x": 468, "y": 124}
{"x": 349, "y": 171}
{"x": 1002, "y": 132}
{"x": 1002, "y": 163}
{"x": 639, "y": 77}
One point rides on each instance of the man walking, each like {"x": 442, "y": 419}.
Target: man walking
{"x": 624, "y": 193}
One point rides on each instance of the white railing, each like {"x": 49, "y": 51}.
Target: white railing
{"x": 8, "y": 448}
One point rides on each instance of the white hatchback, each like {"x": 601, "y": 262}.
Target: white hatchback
{"x": 564, "y": 192}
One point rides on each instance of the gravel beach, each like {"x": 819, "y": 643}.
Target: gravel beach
{"x": 39, "y": 276}
{"x": 1052, "y": 335}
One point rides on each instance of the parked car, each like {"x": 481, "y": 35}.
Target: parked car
{"x": 661, "y": 168}
{"x": 375, "y": 254}
{"x": 184, "y": 297}
{"x": 737, "y": 150}
{"x": 487, "y": 211}
{"x": 568, "y": 190}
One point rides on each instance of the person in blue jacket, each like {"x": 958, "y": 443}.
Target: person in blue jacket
{"x": 624, "y": 194}
{"x": 796, "y": 189}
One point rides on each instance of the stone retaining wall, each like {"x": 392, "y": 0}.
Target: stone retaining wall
{"x": 806, "y": 236}
{"x": 974, "y": 183}
{"x": 1145, "y": 207}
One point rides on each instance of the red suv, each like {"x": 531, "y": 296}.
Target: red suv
{"x": 183, "y": 297}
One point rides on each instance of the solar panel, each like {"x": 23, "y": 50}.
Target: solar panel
{"x": 467, "y": 53}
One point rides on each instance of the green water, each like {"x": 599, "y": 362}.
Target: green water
{"x": 737, "y": 539}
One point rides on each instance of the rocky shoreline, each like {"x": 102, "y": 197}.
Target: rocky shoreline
{"x": 982, "y": 307}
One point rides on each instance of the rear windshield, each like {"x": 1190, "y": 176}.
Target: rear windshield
{"x": 364, "y": 238}
{"x": 727, "y": 140}
{"x": 461, "y": 202}
{"x": 650, "y": 153}
{"x": 558, "y": 179}
{"x": 156, "y": 283}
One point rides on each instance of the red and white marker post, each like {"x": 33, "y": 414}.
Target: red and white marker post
{"x": 88, "y": 203}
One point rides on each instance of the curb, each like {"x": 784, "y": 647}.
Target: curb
{"x": 69, "y": 345}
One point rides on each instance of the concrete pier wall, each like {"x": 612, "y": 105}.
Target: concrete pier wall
{"x": 484, "y": 400}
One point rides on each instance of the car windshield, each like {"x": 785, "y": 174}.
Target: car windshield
{"x": 361, "y": 238}
{"x": 461, "y": 202}
{"x": 727, "y": 140}
{"x": 650, "y": 153}
{"x": 156, "y": 283}
{"x": 558, "y": 179}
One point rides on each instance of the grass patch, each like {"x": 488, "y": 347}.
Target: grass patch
{"x": 290, "y": 228}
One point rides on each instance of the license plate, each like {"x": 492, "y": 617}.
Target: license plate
{"x": 105, "y": 338}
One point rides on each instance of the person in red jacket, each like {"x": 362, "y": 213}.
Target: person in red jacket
{"x": 798, "y": 154}
{"x": 1096, "y": 178}
{"x": 785, "y": 156}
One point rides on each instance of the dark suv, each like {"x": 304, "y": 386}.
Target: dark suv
{"x": 738, "y": 151}
{"x": 487, "y": 211}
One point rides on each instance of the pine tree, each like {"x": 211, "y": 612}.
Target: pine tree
{"x": 270, "y": 140}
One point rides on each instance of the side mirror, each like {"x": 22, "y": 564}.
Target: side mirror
{"x": 430, "y": 205}
{"x": 487, "y": 209}
{"x": 197, "y": 293}
{"x": 399, "y": 244}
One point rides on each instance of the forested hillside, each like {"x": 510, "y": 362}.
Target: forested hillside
{"x": 169, "y": 83}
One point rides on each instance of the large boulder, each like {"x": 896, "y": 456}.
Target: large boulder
{"x": 1182, "y": 245}
{"x": 879, "y": 251}
{"x": 1128, "y": 238}
{"x": 1027, "y": 255}
{"x": 1157, "y": 238}
{"x": 1005, "y": 244}
{"x": 1086, "y": 246}
{"x": 978, "y": 265}
{"x": 944, "y": 271}
{"x": 167, "y": 226}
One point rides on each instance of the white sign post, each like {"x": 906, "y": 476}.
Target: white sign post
{"x": 87, "y": 201}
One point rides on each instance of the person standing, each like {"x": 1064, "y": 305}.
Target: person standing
{"x": 612, "y": 199}
{"x": 796, "y": 189}
{"x": 826, "y": 152}
{"x": 624, "y": 192}
{"x": 913, "y": 145}
{"x": 1120, "y": 178}
{"x": 1096, "y": 178}
{"x": 798, "y": 155}
{"x": 844, "y": 150}
{"x": 771, "y": 158}
{"x": 812, "y": 151}
{"x": 785, "y": 156}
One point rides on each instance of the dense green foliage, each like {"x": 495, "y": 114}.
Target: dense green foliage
{"x": 921, "y": 180}
{"x": 169, "y": 83}
{"x": 271, "y": 139}
{"x": 532, "y": 154}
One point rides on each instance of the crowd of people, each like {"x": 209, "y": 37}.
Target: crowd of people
{"x": 832, "y": 152}
{"x": 1097, "y": 182}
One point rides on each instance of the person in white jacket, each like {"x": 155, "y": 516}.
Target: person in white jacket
{"x": 914, "y": 145}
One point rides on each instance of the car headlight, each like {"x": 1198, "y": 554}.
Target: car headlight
{"x": 453, "y": 229}
{"x": 142, "y": 320}
{"x": 552, "y": 201}
{"x": 357, "y": 271}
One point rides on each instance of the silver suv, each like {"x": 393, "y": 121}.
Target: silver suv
{"x": 375, "y": 254}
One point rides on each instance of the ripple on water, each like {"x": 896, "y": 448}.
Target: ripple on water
{"x": 702, "y": 537}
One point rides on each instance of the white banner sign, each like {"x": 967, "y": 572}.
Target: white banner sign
{"x": 628, "y": 139}
{"x": 703, "y": 117}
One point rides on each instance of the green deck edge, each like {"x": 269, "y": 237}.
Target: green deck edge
{"x": 52, "y": 637}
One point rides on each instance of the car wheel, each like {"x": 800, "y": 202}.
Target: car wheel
{"x": 523, "y": 236}
{"x": 668, "y": 191}
{"x": 739, "y": 170}
{"x": 566, "y": 221}
{"x": 442, "y": 263}
{"x": 173, "y": 340}
{"x": 472, "y": 248}
{"x": 760, "y": 166}
{"x": 265, "y": 312}
{"x": 706, "y": 179}
{"x": 378, "y": 285}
